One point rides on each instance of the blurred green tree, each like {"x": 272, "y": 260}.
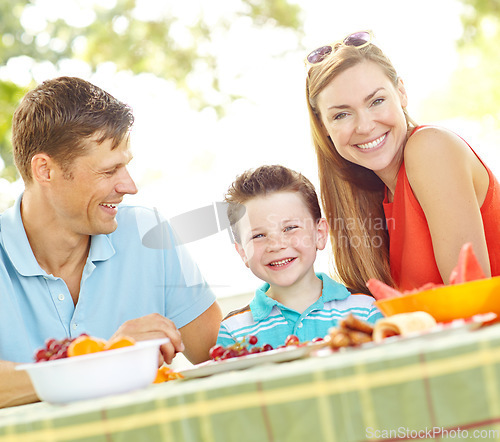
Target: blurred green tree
{"x": 474, "y": 90}
{"x": 135, "y": 35}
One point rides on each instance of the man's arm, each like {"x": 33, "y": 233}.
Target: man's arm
{"x": 15, "y": 386}
{"x": 201, "y": 334}
{"x": 198, "y": 336}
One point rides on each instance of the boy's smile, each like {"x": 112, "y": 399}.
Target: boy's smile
{"x": 281, "y": 262}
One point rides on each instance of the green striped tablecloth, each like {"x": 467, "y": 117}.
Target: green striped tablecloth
{"x": 439, "y": 387}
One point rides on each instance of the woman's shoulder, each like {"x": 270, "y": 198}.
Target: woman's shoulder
{"x": 437, "y": 158}
{"x": 434, "y": 141}
{"x": 431, "y": 148}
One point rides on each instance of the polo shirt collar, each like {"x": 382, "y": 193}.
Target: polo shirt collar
{"x": 101, "y": 248}
{"x": 17, "y": 246}
{"x": 332, "y": 290}
{"x": 261, "y": 305}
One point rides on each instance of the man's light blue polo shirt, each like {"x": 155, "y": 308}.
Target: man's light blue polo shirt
{"x": 272, "y": 322}
{"x": 122, "y": 280}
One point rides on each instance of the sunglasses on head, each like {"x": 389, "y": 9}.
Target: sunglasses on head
{"x": 357, "y": 39}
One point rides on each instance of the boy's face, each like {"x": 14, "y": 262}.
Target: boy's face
{"x": 279, "y": 238}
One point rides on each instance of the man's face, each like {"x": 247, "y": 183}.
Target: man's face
{"x": 85, "y": 203}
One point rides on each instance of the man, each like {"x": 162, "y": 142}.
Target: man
{"x": 71, "y": 260}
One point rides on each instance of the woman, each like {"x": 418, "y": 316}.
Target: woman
{"x": 385, "y": 180}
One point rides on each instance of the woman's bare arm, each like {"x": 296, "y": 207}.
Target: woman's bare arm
{"x": 450, "y": 183}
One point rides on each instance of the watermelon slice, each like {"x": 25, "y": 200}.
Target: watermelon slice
{"x": 380, "y": 290}
{"x": 426, "y": 286}
{"x": 468, "y": 268}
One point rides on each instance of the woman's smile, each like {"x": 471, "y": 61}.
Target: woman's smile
{"x": 372, "y": 144}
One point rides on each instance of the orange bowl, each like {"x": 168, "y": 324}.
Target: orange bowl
{"x": 449, "y": 302}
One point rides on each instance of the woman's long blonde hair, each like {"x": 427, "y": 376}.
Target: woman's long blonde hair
{"x": 351, "y": 195}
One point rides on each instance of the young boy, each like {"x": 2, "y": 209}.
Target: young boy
{"x": 277, "y": 225}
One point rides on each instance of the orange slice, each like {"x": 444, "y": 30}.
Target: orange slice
{"x": 119, "y": 342}
{"x": 161, "y": 375}
{"x": 84, "y": 345}
{"x": 165, "y": 373}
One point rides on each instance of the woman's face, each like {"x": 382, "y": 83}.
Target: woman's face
{"x": 362, "y": 112}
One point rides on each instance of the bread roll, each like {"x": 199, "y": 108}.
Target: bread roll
{"x": 402, "y": 324}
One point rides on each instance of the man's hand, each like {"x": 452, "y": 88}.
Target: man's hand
{"x": 15, "y": 386}
{"x": 154, "y": 326}
{"x": 201, "y": 333}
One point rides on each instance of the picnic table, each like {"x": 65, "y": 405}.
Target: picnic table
{"x": 439, "y": 385}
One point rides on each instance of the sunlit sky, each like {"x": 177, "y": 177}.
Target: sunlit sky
{"x": 185, "y": 159}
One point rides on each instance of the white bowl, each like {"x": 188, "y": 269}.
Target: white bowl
{"x": 96, "y": 374}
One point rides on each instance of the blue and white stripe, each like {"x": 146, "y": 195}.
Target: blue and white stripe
{"x": 272, "y": 322}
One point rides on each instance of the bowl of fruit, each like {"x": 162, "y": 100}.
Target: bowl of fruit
{"x": 469, "y": 293}
{"x": 86, "y": 367}
{"x": 448, "y": 302}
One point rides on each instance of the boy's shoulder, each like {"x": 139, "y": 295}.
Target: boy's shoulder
{"x": 237, "y": 312}
{"x": 358, "y": 298}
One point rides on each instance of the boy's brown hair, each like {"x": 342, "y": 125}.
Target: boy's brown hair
{"x": 263, "y": 181}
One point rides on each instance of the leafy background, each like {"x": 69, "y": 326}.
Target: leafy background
{"x": 218, "y": 87}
